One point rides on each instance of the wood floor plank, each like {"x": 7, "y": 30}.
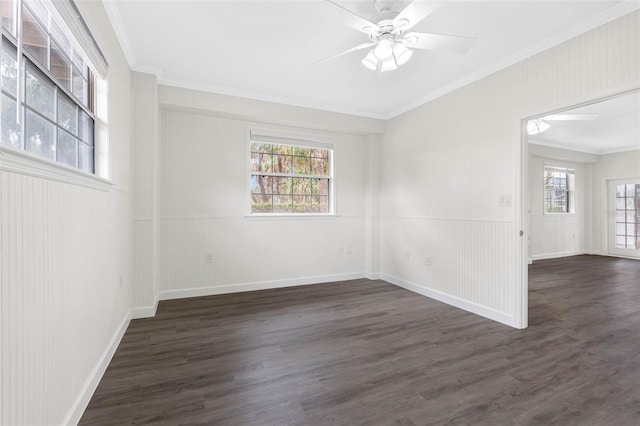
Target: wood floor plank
{"x": 369, "y": 353}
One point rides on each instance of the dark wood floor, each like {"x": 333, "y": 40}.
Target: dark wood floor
{"x": 369, "y": 353}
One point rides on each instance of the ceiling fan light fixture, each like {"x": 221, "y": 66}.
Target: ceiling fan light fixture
{"x": 370, "y": 61}
{"x": 537, "y": 126}
{"x": 388, "y": 65}
{"x": 383, "y": 49}
{"x": 401, "y": 53}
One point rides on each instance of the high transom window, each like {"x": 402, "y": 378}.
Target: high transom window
{"x": 47, "y": 86}
{"x": 290, "y": 175}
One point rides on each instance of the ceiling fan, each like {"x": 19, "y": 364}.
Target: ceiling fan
{"x": 539, "y": 125}
{"x": 389, "y": 40}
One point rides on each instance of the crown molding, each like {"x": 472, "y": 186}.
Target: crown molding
{"x": 603, "y": 18}
{"x": 265, "y": 97}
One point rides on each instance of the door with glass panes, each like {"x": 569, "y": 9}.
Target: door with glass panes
{"x": 624, "y": 217}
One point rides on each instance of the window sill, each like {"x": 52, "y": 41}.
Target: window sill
{"x": 294, "y": 216}
{"x": 23, "y": 163}
{"x": 559, "y": 214}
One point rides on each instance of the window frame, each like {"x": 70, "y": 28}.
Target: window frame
{"x": 309, "y": 140}
{"x": 83, "y": 112}
{"x": 570, "y": 179}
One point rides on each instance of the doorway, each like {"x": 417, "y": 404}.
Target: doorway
{"x": 576, "y": 163}
{"x": 624, "y": 220}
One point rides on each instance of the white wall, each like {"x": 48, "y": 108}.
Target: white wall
{"x": 610, "y": 166}
{"x": 558, "y": 235}
{"x": 66, "y": 277}
{"x": 448, "y": 163}
{"x": 204, "y": 207}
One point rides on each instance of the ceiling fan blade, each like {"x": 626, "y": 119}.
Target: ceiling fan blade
{"x": 440, "y": 42}
{"x": 568, "y": 117}
{"x": 353, "y": 49}
{"x": 356, "y": 21}
{"x": 414, "y": 13}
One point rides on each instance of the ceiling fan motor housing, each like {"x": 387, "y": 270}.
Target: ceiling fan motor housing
{"x": 384, "y": 5}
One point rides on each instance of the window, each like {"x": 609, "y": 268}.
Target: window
{"x": 290, "y": 175}
{"x": 628, "y": 216}
{"x": 559, "y": 185}
{"x": 47, "y": 84}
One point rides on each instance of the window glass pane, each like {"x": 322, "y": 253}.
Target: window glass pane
{"x": 320, "y": 186}
{"x": 301, "y": 186}
{"x": 80, "y": 87}
{"x": 8, "y": 15}
{"x": 39, "y": 136}
{"x": 67, "y": 114}
{"x": 301, "y": 165}
{"x": 302, "y": 204}
{"x": 620, "y": 216}
{"x": 620, "y": 203}
{"x": 282, "y": 204}
{"x": 620, "y": 228}
{"x": 85, "y": 158}
{"x": 67, "y": 149}
{"x": 9, "y": 71}
{"x": 631, "y": 242}
{"x": 11, "y": 133}
{"x": 261, "y": 163}
{"x": 630, "y": 190}
{"x": 319, "y": 167}
{"x": 320, "y": 204}
{"x": 630, "y": 204}
{"x": 86, "y": 128}
{"x": 281, "y": 163}
{"x": 620, "y": 190}
{"x": 40, "y": 93}
{"x": 60, "y": 67}
{"x": 261, "y": 204}
{"x": 620, "y": 241}
{"x": 282, "y": 149}
{"x": 282, "y": 185}
{"x": 631, "y": 216}
{"x": 34, "y": 39}
{"x": 631, "y": 230}
{"x": 261, "y": 184}
{"x": 263, "y": 148}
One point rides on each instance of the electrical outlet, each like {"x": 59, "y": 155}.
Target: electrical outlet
{"x": 208, "y": 258}
{"x": 504, "y": 200}
{"x": 406, "y": 255}
{"x": 427, "y": 260}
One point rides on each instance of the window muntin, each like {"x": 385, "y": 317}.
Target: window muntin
{"x": 55, "y": 119}
{"x": 289, "y": 177}
{"x": 559, "y": 185}
{"x": 628, "y": 216}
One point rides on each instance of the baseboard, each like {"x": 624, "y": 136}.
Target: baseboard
{"x": 80, "y": 404}
{"x": 481, "y": 310}
{"x": 372, "y": 276}
{"x": 257, "y": 285}
{"x": 144, "y": 311}
{"x": 558, "y": 255}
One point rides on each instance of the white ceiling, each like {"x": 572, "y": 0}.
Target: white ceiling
{"x": 615, "y": 129}
{"x": 262, "y": 49}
